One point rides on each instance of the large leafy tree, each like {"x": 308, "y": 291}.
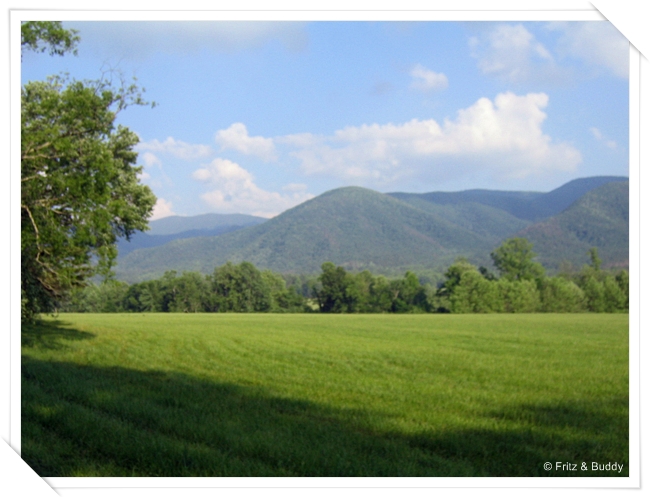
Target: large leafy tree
{"x": 79, "y": 179}
{"x": 515, "y": 260}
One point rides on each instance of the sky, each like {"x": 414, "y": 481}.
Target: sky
{"x": 257, "y": 117}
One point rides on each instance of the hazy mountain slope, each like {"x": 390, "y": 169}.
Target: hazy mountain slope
{"x": 531, "y": 206}
{"x": 355, "y": 227}
{"x": 599, "y": 219}
{"x": 556, "y": 201}
{"x": 513, "y": 203}
{"x": 492, "y": 223}
{"x": 144, "y": 240}
{"x": 171, "y": 228}
{"x": 177, "y": 224}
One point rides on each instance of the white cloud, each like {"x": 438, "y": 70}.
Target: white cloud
{"x": 236, "y": 138}
{"x": 162, "y": 209}
{"x": 512, "y": 53}
{"x": 176, "y": 148}
{"x": 502, "y": 138}
{"x": 425, "y": 80}
{"x": 598, "y": 43}
{"x": 234, "y": 191}
{"x": 602, "y": 138}
{"x": 150, "y": 160}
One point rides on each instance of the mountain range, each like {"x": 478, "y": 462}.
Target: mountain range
{"x": 361, "y": 229}
{"x": 185, "y": 227}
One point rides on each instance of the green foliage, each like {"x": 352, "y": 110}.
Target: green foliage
{"x": 604, "y": 290}
{"x": 335, "y": 297}
{"x": 595, "y": 260}
{"x": 108, "y": 297}
{"x": 466, "y": 289}
{"x": 559, "y": 295}
{"x": 79, "y": 186}
{"x": 614, "y": 296}
{"x": 595, "y": 294}
{"x": 474, "y": 294}
{"x": 623, "y": 281}
{"x": 517, "y": 296}
{"x": 231, "y": 288}
{"x": 514, "y": 260}
{"x": 39, "y": 36}
{"x": 240, "y": 288}
{"x": 343, "y": 292}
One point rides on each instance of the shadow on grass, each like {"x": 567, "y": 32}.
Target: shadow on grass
{"x": 79, "y": 420}
{"x": 82, "y": 420}
{"x": 50, "y": 334}
{"x": 562, "y": 434}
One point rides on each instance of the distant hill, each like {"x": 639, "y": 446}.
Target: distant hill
{"x": 178, "y": 224}
{"x": 529, "y": 206}
{"x": 172, "y": 228}
{"x": 363, "y": 229}
{"x": 352, "y": 226}
{"x": 599, "y": 219}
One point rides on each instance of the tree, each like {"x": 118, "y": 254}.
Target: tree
{"x": 408, "y": 294}
{"x": 37, "y": 36}
{"x": 514, "y": 260}
{"x": 517, "y": 296}
{"x": 474, "y": 294}
{"x": 623, "y": 281}
{"x": 333, "y": 297}
{"x": 560, "y": 295}
{"x": 80, "y": 190}
{"x": 595, "y": 294}
{"x": 594, "y": 259}
{"x": 240, "y": 288}
{"x": 466, "y": 290}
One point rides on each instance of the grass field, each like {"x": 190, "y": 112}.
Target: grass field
{"x": 324, "y": 395}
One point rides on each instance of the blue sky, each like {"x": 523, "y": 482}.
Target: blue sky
{"x": 256, "y": 117}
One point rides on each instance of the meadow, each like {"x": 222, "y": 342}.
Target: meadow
{"x": 324, "y": 395}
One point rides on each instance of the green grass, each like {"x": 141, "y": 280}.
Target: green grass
{"x": 324, "y": 395}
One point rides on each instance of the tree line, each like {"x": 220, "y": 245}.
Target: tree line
{"x": 520, "y": 286}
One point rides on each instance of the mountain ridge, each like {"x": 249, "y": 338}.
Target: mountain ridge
{"x": 363, "y": 229}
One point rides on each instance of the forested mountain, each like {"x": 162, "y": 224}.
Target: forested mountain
{"x": 529, "y": 206}
{"x": 363, "y": 229}
{"x": 599, "y": 219}
{"x": 185, "y": 227}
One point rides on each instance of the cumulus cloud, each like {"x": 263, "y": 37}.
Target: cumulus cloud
{"x": 176, "y": 148}
{"x": 602, "y": 138}
{"x": 502, "y": 138}
{"x": 150, "y": 160}
{"x": 162, "y": 209}
{"x": 512, "y": 53}
{"x": 426, "y": 80}
{"x": 234, "y": 191}
{"x": 236, "y": 138}
{"x": 598, "y": 43}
